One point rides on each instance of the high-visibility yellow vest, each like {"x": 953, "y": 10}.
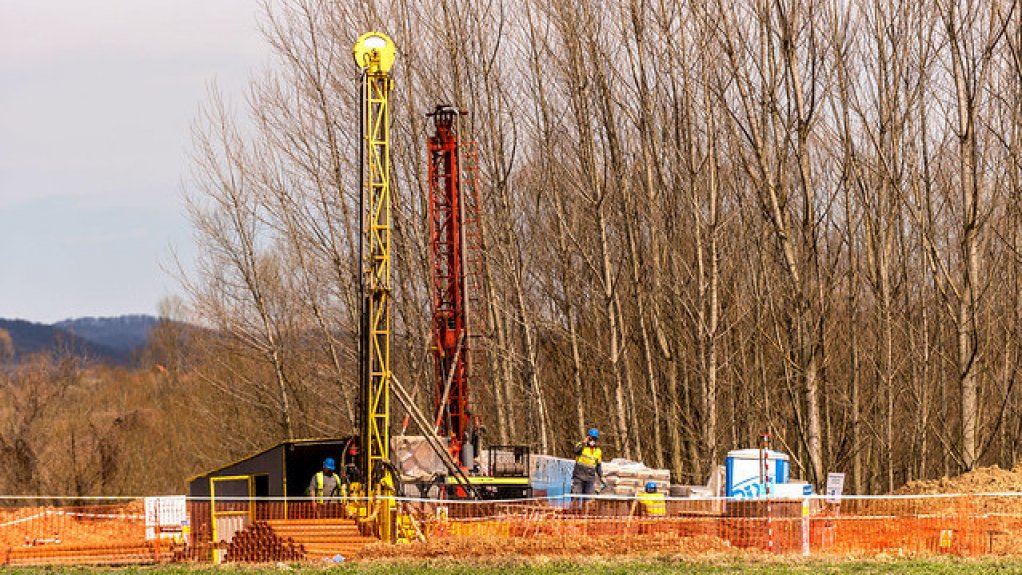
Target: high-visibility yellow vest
{"x": 589, "y": 456}
{"x": 653, "y": 504}
{"x": 320, "y": 488}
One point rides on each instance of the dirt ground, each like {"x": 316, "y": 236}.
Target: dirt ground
{"x": 495, "y": 548}
{"x": 977, "y": 484}
{"x": 983, "y": 480}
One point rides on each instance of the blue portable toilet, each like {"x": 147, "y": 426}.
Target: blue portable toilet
{"x": 743, "y": 475}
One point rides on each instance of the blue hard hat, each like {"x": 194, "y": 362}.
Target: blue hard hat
{"x": 330, "y": 464}
{"x": 594, "y": 433}
{"x": 650, "y": 486}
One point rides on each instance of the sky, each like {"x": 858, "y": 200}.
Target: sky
{"x": 97, "y": 102}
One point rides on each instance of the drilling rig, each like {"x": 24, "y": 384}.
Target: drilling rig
{"x": 454, "y": 232}
{"x": 456, "y": 252}
{"x": 374, "y": 55}
{"x": 449, "y": 204}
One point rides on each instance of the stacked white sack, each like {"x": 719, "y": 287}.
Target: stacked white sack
{"x": 625, "y": 477}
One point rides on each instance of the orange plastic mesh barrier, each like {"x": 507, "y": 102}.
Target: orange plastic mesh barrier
{"x": 103, "y": 534}
{"x": 119, "y": 532}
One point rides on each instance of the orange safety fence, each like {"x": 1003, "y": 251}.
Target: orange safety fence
{"x": 969, "y": 525}
{"x": 156, "y": 530}
{"x": 52, "y": 531}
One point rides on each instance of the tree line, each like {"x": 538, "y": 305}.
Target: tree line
{"x": 702, "y": 221}
{"x": 71, "y": 427}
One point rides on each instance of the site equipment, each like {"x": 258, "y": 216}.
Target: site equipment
{"x": 456, "y": 257}
{"x": 454, "y": 231}
{"x": 374, "y": 54}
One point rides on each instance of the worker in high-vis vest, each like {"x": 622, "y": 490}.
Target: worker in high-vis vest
{"x": 325, "y": 484}
{"x": 588, "y": 465}
{"x": 651, "y": 502}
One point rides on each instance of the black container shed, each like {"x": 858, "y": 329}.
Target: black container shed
{"x": 283, "y": 470}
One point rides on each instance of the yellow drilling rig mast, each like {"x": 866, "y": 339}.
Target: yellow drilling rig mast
{"x": 374, "y": 54}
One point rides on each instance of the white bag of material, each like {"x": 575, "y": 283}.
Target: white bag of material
{"x": 414, "y": 458}
{"x": 626, "y": 477}
{"x": 662, "y": 475}
{"x": 622, "y": 468}
{"x": 614, "y": 481}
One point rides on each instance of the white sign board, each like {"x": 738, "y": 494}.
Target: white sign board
{"x": 835, "y": 485}
{"x": 165, "y": 516}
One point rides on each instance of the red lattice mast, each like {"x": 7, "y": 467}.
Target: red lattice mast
{"x": 453, "y": 221}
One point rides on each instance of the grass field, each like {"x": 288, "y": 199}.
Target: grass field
{"x": 539, "y": 567}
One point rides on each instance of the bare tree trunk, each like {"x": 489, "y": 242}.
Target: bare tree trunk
{"x": 531, "y": 370}
{"x": 970, "y": 75}
{"x": 548, "y": 137}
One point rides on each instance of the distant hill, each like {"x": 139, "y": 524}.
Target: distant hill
{"x": 105, "y": 340}
{"x": 123, "y": 333}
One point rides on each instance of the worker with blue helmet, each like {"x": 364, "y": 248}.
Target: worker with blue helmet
{"x": 651, "y": 501}
{"x": 588, "y": 464}
{"x": 325, "y": 484}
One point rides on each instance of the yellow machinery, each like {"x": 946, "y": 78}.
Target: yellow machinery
{"x": 374, "y": 54}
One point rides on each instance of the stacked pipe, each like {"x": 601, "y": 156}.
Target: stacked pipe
{"x": 258, "y": 543}
{"x": 181, "y": 552}
{"x": 113, "y": 553}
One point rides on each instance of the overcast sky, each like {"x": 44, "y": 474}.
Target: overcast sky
{"x": 97, "y": 100}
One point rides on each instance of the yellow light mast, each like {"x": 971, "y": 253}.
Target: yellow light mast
{"x": 374, "y": 54}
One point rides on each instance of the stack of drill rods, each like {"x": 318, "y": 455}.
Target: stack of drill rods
{"x": 97, "y": 554}
{"x": 184, "y": 552}
{"x": 259, "y": 544}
